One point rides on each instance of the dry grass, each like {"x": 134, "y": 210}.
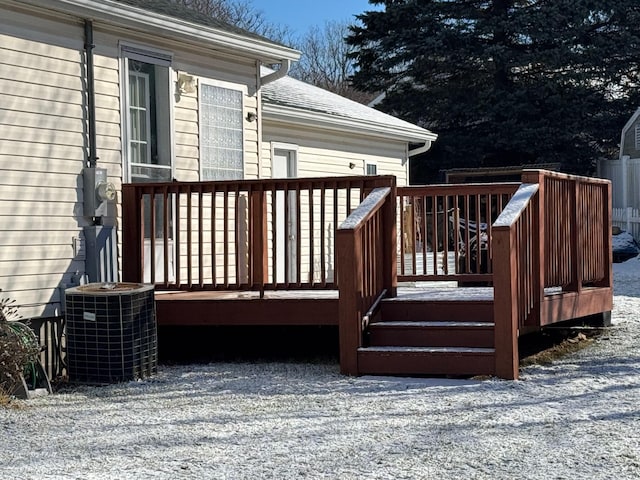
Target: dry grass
{"x": 559, "y": 350}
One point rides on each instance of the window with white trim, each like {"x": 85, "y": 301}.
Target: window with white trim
{"x": 637, "y": 136}
{"x": 147, "y": 132}
{"x": 147, "y": 107}
{"x": 221, "y": 132}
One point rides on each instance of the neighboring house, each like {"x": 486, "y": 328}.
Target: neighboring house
{"x": 624, "y": 173}
{"x": 148, "y": 90}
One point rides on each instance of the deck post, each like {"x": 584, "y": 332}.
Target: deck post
{"x": 349, "y": 258}
{"x": 132, "y": 235}
{"x": 505, "y": 303}
{"x": 539, "y": 255}
{"x": 259, "y": 251}
{"x": 389, "y": 229}
{"x": 608, "y": 237}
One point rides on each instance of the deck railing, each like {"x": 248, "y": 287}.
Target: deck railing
{"x": 238, "y": 235}
{"x": 445, "y": 230}
{"x": 517, "y": 292}
{"x": 554, "y": 238}
{"x": 575, "y": 220}
{"x": 365, "y": 246}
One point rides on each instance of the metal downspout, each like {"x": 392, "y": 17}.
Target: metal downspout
{"x": 92, "y": 159}
{"x": 285, "y": 66}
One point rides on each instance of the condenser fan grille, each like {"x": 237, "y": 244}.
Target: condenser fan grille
{"x": 111, "y": 333}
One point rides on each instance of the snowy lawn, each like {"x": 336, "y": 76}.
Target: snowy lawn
{"x": 578, "y": 418}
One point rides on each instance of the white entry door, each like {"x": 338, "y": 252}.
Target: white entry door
{"x": 285, "y": 166}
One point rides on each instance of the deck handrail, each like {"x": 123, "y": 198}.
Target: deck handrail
{"x": 516, "y": 263}
{"x": 260, "y": 235}
{"x": 365, "y": 255}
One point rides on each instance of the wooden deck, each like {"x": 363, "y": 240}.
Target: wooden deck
{"x": 343, "y": 252}
{"x": 287, "y": 307}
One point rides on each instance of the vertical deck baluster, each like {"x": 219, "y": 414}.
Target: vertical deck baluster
{"x": 404, "y": 239}
{"x": 478, "y": 212}
{"x": 251, "y": 245}
{"x": 298, "y": 194}
{"x": 446, "y": 234}
{"x": 489, "y": 221}
{"x": 311, "y": 236}
{"x": 434, "y": 237}
{"x": 165, "y": 233}
{"x": 152, "y": 235}
{"x": 236, "y": 234}
{"x": 214, "y": 260}
{"x": 274, "y": 234}
{"x": 416, "y": 204}
{"x": 189, "y": 239}
{"x": 178, "y": 230}
{"x": 335, "y": 230}
{"x": 287, "y": 235}
{"x": 225, "y": 235}
{"x": 200, "y": 238}
{"x": 323, "y": 253}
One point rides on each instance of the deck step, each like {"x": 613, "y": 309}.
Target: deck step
{"x": 434, "y": 334}
{"x": 437, "y": 310}
{"x": 396, "y": 360}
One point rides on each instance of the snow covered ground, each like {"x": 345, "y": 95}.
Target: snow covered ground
{"x": 578, "y": 418}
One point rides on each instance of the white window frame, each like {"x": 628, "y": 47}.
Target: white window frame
{"x": 204, "y": 82}
{"x": 155, "y": 56}
{"x": 372, "y": 163}
{"x": 290, "y": 147}
{"x": 637, "y": 136}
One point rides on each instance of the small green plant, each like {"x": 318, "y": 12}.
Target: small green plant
{"x": 17, "y": 348}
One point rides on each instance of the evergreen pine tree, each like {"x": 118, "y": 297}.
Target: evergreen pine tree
{"x": 505, "y": 82}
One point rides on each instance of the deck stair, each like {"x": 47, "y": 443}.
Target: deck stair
{"x": 430, "y": 337}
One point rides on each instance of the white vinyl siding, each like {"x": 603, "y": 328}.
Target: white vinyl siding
{"x": 221, "y": 133}
{"x": 323, "y": 153}
{"x": 42, "y": 136}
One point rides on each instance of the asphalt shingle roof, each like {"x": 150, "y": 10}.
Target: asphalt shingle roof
{"x": 182, "y": 12}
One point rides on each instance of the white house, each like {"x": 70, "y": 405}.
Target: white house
{"x": 97, "y": 93}
{"x": 624, "y": 173}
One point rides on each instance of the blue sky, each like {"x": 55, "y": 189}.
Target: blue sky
{"x": 300, "y": 15}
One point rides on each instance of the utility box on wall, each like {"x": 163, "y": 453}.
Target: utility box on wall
{"x": 99, "y": 193}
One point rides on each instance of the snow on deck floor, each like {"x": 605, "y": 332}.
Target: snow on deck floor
{"x": 576, "y": 419}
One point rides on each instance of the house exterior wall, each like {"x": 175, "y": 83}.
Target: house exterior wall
{"x": 629, "y": 145}
{"x": 44, "y": 141}
{"x": 324, "y": 152}
{"x": 43, "y": 134}
{"x": 625, "y": 182}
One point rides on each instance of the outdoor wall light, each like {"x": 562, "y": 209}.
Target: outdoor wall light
{"x": 352, "y": 165}
{"x": 251, "y": 117}
{"x": 186, "y": 83}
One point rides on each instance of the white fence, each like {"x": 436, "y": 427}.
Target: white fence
{"x": 624, "y": 174}
{"x": 628, "y": 219}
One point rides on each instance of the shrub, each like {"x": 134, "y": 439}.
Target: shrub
{"x": 17, "y": 347}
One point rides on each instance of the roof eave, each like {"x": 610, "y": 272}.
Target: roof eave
{"x": 128, "y": 16}
{"x": 334, "y": 122}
